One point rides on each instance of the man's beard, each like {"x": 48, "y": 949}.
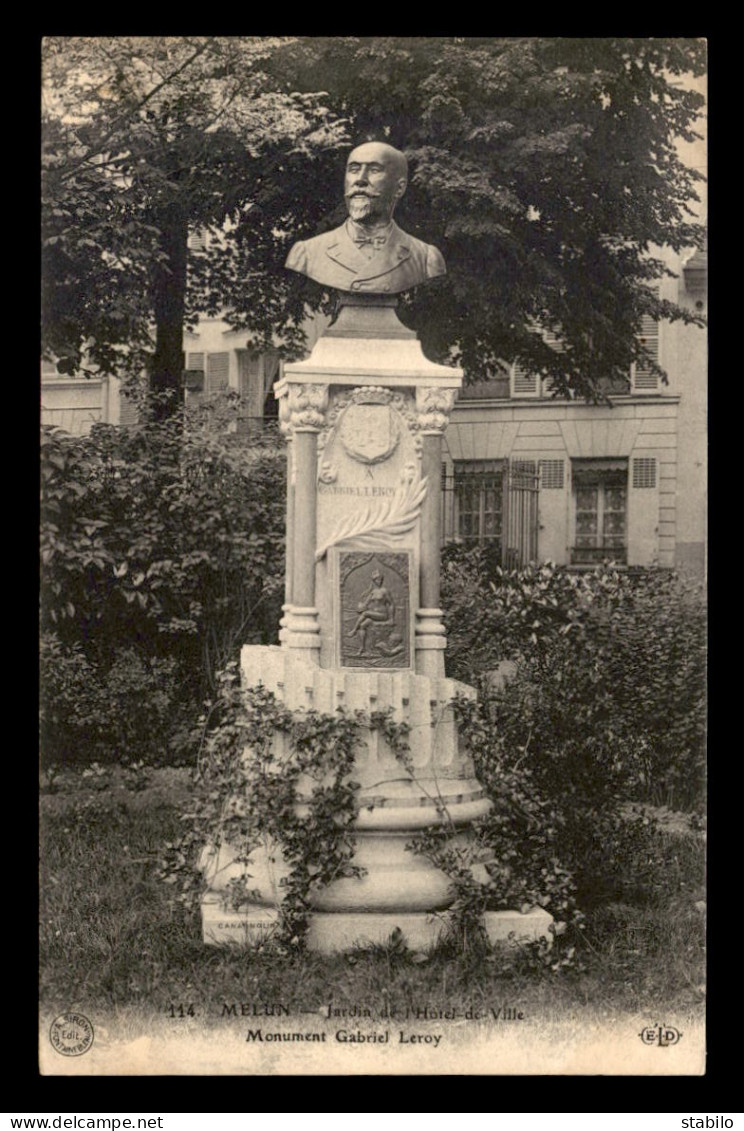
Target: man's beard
{"x": 362, "y": 207}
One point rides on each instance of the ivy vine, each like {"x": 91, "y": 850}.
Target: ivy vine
{"x": 299, "y": 794}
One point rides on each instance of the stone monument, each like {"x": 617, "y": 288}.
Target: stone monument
{"x": 364, "y": 417}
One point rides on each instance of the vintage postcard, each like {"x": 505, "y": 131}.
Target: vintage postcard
{"x": 373, "y": 556}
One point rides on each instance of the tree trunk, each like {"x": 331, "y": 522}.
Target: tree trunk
{"x": 169, "y": 303}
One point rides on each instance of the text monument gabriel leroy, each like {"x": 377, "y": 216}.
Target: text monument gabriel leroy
{"x": 364, "y": 416}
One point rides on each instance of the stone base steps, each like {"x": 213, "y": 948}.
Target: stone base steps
{"x": 333, "y": 933}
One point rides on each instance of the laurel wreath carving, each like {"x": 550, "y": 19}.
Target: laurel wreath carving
{"x": 386, "y": 518}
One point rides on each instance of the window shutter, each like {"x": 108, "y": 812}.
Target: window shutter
{"x": 128, "y": 411}
{"x": 551, "y": 474}
{"x": 644, "y": 514}
{"x": 195, "y": 361}
{"x": 197, "y": 241}
{"x": 644, "y": 472}
{"x": 519, "y": 541}
{"x": 644, "y": 379}
{"x": 524, "y": 383}
{"x": 218, "y": 370}
{"x": 553, "y": 339}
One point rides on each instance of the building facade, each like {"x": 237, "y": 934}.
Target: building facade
{"x": 536, "y": 477}
{"x": 624, "y": 481}
{"x": 219, "y": 360}
{"x": 77, "y": 403}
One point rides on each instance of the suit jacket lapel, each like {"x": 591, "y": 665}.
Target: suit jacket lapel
{"x": 398, "y": 249}
{"x": 346, "y": 253}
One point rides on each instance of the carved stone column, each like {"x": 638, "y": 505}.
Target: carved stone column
{"x": 302, "y": 415}
{"x": 433, "y": 406}
{"x": 289, "y": 530}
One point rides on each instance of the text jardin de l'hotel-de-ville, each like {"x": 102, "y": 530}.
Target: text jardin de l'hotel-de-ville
{"x": 395, "y": 1033}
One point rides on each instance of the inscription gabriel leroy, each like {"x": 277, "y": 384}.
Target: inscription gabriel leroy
{"x": 369, "y": 253}
{"x": 374, "y": 610}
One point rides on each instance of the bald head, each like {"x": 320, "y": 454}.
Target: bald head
{"x": 376, "y": 178}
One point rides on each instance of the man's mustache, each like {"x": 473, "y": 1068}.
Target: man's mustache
{"x": 369, "y": 193}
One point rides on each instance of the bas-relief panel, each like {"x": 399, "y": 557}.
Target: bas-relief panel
{"x": 374, "y": 609}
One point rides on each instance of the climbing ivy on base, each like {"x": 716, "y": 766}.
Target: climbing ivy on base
{"x": 299, "y": 794}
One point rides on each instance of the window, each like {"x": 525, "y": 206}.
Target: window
{"x": 472, "y": 501}
{"x": 497, "y": 387}
{"x": 614, "y": 386}
{"x": 600, "y": 489}
{"x": 641, "y": 379}
{"x": 493, "y": 503}
{"x": 478, "y": 500}
{"x": 527, "y": 384}
{"x": 193, "y": 376}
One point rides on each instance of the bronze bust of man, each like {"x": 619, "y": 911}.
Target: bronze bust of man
{"x": 369, "y": 253}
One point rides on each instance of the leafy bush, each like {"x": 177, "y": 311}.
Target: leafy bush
{"x": 559, "y": 835}
{"x": 168, "y": 534}
{"x": 132, "y": 710}
{"x": 162, "y": 553}
{"x": 656, "y": 668}
{"x": 610, "y": 684}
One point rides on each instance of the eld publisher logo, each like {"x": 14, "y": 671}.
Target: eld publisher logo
{"x": 661, "y": 1035}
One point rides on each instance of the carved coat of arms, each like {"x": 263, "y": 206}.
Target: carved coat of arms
{"x": 369, "y": 433}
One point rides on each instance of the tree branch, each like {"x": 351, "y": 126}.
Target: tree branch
{"x": 136, "y": 109}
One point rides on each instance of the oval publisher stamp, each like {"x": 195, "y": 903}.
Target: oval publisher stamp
{"x": 71, "y": 1034}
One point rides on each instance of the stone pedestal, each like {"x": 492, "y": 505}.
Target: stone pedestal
{"x": 335, "y": 933}
{"x": 362, "y": 629}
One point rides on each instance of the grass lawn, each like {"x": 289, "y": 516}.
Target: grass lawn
{"x": 116, "y": 946}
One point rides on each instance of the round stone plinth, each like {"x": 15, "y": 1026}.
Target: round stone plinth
{"x": 394, "y": 878}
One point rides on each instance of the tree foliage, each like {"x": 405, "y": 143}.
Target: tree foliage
{"x": 146, "y": 139}
{"x": 546, "y": 170}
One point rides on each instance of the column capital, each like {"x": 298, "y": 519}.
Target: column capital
{"x": 433, "y": 408}
{"x": 302, "y": 407}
